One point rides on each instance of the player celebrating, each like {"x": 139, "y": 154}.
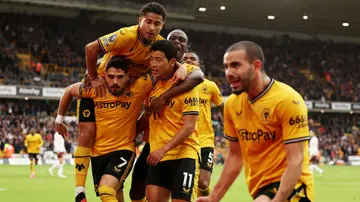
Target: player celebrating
{"x": 59, "y": 149}
{"x": 208, "y": 92}
{"x": 33, "y": 142}
{"x": 133, "y": 43}
{"x": 116, "y": 116}
{"x": 314, "y": 152}
{"x": 194, "y": 78}
{"x": 266, "y": 123}
{"x": 174, "y": 148}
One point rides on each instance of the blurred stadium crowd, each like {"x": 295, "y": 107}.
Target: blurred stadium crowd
{"x": 319, "y": 70}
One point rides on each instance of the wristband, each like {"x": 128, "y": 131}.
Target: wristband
{"x": 59, "y": 119}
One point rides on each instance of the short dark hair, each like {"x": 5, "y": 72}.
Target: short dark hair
{"x": 118, "y": 62}
{"x": 165, "y": 46}
{"x": 253, "y": 51}
{"x": 191, "y": 51}
{"x": 154, "y": 7}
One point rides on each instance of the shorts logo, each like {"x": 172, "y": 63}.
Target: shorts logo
{"x": 80, "y": 167}
{"x": 265, "y": 115}
{"x": 117, "y": 168}
{"x": 86, "y": 113}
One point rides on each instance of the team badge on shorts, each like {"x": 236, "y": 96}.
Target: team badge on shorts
{"x": 86, "y": 113}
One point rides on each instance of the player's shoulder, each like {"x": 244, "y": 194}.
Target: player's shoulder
{"x": 130, "y": 33}
{"x": 159, "y": 38}
{"x": 285, "y": 92}
{"x": 145, "y": 78}
{"x": 190, "y": 67}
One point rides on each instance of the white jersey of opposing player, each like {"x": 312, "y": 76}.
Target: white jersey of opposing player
{"x": 314, "y": 146}
{"x": 59, "y": 143}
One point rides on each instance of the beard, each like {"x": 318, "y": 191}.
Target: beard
{"x": 237, "y": 92}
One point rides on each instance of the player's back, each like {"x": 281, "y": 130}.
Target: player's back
{"x": 263, "y": 125}
{"x": 208, "y": 93}
{"x": 128, "y": 43}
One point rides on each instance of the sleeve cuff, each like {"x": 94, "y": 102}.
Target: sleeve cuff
{"x": 101, "y": 45}
{"x": 234, "y": 139}
{"x": 190, "y": 113}
{"x": 299, "y": 139}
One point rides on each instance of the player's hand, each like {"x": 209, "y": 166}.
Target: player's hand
{"x": 155, "y": 157}
{"x": 62, "y": 130}
{"x": 99, "y": 85}
{"x": 87, "y": 81}
{"x": 180, "y": 74}
{"x": 156, "y": 107}
{"x": 205, "y": 199}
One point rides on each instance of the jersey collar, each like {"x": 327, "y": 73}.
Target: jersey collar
{"x": 263, "y": 92}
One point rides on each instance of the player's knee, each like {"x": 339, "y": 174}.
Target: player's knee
{"x": 107, "y": 194}
{"x": 87, "y": 134}
{"x": 204, "y": 183}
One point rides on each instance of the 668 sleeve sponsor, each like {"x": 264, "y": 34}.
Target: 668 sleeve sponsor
{"x": 192, "y": 101}
{"x": 300, "y": 121}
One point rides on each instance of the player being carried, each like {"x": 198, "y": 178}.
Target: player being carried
{"x": 134, "y": 44}
{"x": 116, "y": 114}
{"x": 208, "y": 92}
{"x": 266, "y": 123}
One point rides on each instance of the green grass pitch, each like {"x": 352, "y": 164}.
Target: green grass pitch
{"x": 339, "y": 184}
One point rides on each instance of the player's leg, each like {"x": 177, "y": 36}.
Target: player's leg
{"x": 61, "y": 165}
{"x": 139, "y": 175}
{"x": 262, "y": 198}
{"x": 185, "y": 180}
{"x": 118, "y": 169}
{"x": 55, "y": 165}
{"x": 32, "y": 162}
{"x": 85, "y": 141}
{"x": 159, "y": 181}
{"x": 206, "y": 167}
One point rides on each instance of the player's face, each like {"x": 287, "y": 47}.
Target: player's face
{"x": 180, "y": 40}
{"x": 160, "y": 66}
{"x": 150, "y": 26}
{"x": 116, "y": 80}
{"x": 192, "y": 59}
{"x": 239, "y": 72}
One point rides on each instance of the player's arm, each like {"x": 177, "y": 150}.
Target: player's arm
{"x": 232, "y": 168}
{"x": 217, "y": 99}
{"x": 295, "y": 130}
{"x": 115, "y": 41}
{"x": 74, "y": 90}
{"x": 195, "y": 78}
{"x": 192, "y": 80}
{"x": 186, "y": 130}
{"x": 233, "y": 163}
{"x": 41, "y": 141}
{"x": 26, "y": 141}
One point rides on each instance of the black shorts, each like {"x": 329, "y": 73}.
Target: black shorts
{"x": 117, "y": 164}
{"x": 141, "y": 168}
{"x": 86, "y": 110}
{"x": 207, "y": 159}
{"x": 178, "y": 176}
{"x": 33, "y": 156}
{"x": 298, "y": 194}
